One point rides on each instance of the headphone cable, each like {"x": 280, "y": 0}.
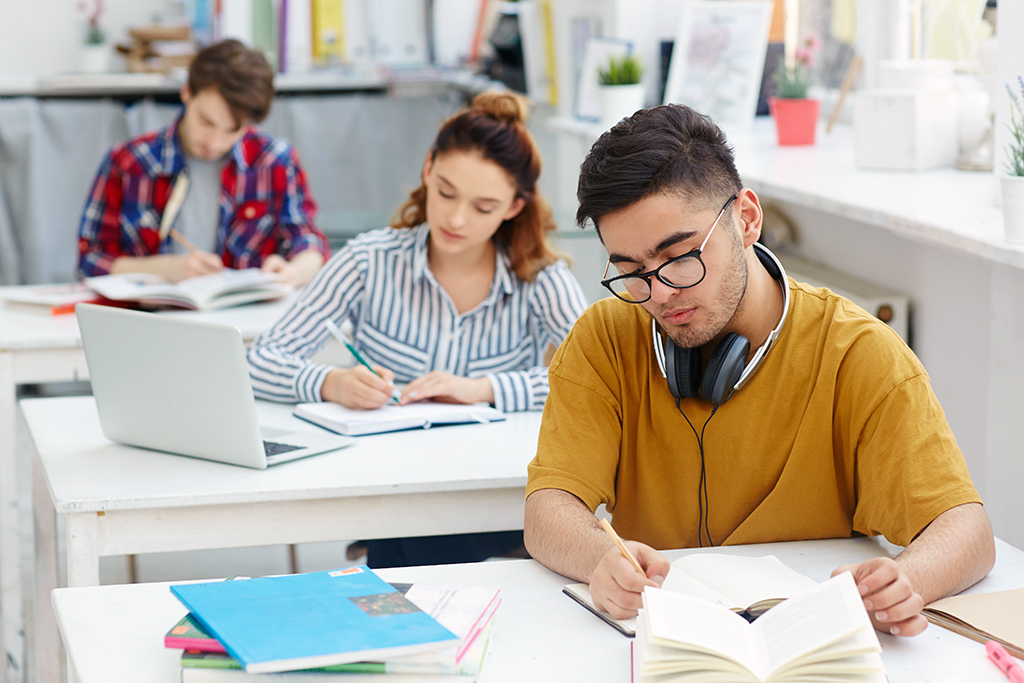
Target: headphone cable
{"x": 702, "y": 488}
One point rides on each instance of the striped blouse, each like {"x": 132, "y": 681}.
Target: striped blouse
{"x": 402, "y": 319}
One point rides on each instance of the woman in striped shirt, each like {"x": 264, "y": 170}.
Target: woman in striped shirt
{"x": 460, "y": 298}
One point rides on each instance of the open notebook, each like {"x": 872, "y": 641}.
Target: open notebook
{"x": 392, "y": 418}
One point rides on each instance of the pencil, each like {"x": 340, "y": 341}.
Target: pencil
{"x": 622, "y": 547}
{"x": 183, "y": 241}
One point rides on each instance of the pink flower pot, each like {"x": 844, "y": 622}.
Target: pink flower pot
{"x": 795, "y": 120}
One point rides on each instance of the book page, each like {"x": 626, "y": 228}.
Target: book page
{"x": 678, "y": 581}
{"x": 204, "y": 288}
{"x": 393, "y": 417}
{"x": 830, "y": 613}
{"x": 689, "y": 623}
{"x": 744, "y": 580}
{"x": 131, "y": 286}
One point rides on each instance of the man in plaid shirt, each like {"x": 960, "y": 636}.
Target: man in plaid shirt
{"x": 246, "y": 204}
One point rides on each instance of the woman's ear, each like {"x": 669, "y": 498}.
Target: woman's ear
{"x": 428, "y": 163}
{"x": 186, "y": 94}
{"x": 518, "y": 205}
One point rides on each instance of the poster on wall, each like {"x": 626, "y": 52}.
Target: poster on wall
{"x": 718, "y": 59}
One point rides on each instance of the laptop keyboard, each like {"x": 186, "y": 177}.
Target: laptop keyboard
{"x": 273, "y": 448}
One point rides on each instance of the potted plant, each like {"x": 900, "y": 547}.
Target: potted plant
{"x": 796, "y": 116}
{"x": 96, "y": 53}
{"x": 1012, "y": 181}
{"x": 621, "y": 92}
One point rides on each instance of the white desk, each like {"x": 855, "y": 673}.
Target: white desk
{"x": 121, "y": 500}
{"x": 114, "y": 634}
{"x": 36, "y": 347}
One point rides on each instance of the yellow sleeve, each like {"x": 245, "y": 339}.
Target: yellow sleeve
{"x": 578, "y": 448}
{"x": 909, "y": 469}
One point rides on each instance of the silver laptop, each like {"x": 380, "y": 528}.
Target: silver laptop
{"x": 182, "y": 386}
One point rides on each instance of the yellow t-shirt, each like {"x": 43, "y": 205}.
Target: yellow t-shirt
{"x": 837, "y": 433}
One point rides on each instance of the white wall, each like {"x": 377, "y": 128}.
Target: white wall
{"x": 43, "y": 37}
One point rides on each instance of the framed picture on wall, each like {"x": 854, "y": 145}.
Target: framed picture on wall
{"x": 718, "y": 59}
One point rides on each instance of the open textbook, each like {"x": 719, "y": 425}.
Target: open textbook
{"x": 983, "y": 617}
{"x": 204, "y": 293}
{"x": 749, "y": 585}
{"x": 822, "y": 636}
{"x": 392, "y": 418}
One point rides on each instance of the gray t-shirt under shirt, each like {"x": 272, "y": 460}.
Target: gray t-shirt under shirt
{"x": 199, "y": 218}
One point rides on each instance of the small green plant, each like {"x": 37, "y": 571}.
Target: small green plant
{"x": 624, "y": 70}
{"x": 94, "y": 33}
{"x": 792, "y": 82}
{"x": 1015, "y": 150}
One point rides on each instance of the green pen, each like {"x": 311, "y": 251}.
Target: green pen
{"x": 336, "y": 332}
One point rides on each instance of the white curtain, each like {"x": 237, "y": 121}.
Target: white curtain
{"x": 362, "y": 153}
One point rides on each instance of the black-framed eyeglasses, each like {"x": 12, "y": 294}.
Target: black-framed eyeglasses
{"x": 680, "y": 272}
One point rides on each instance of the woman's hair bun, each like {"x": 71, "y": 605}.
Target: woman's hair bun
{"x": 506, "y": 107}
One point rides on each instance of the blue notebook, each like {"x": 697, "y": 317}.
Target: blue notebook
{"x": 303, "y": 621}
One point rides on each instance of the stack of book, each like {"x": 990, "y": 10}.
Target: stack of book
{"x": 338, "y": 624}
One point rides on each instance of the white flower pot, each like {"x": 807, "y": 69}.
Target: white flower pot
{"x": 96, "y": 58}
{"x": 619, "y": 101}
{"x": 1013, "y": 208}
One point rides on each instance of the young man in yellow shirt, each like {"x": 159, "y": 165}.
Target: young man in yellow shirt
{"x": 716, "y": 402}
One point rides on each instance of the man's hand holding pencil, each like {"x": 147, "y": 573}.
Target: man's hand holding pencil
{"x": 622, "y": 572}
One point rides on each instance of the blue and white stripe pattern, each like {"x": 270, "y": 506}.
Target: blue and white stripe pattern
{"x": 403, "y": 320}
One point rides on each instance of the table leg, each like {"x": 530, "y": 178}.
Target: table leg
{"x": 83, "y": 556}
{"x": 11, "y": 614}
{"x": 44, "y": 639}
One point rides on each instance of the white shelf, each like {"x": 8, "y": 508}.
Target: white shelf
{"x": 944, "y": 207}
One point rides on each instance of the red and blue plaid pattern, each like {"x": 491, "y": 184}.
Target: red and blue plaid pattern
{"x": 265, "y": 205}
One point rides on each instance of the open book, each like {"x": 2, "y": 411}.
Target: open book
{"x": 392, "y": 418}
{"x": 822, "y": 636}
{"x": 748, "y": 585}
{"x": 204, "y": 293}
{"x": 983, "y": 617}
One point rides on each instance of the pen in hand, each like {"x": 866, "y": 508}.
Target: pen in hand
{"x": 336, "y": 333}
{"x": 622, "y": 547}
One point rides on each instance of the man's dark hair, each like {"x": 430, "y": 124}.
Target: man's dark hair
{"x": 665, "y": 149}
{"x": 241, "y": 75}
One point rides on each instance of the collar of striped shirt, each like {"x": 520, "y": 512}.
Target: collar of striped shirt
{"x": 421, "y": 268}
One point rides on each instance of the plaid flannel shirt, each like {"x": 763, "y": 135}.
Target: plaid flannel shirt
{"x": 265, "y": 205}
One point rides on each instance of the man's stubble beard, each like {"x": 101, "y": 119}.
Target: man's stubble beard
{"x": 724, "y": 308}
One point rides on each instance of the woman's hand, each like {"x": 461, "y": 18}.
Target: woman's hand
{"x": 357, "y": 387}
{"x": 296, "y": 272}
{"x": 445, "y": 387}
